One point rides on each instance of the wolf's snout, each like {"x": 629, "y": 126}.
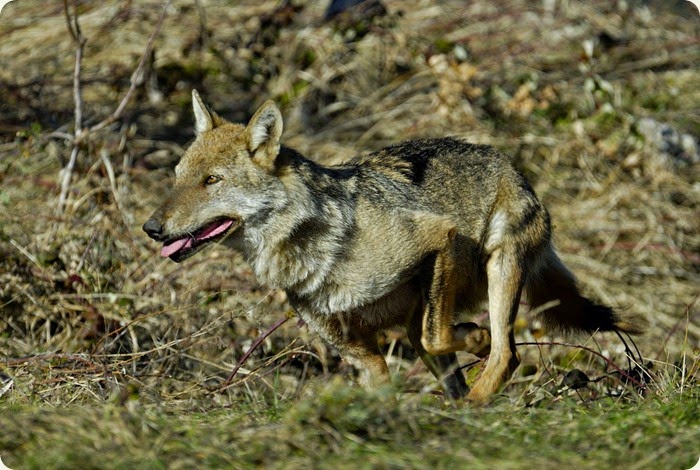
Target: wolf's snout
{"x": 154, "y": 229}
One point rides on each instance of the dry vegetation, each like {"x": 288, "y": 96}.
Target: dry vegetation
{"x": 598, "y": 102}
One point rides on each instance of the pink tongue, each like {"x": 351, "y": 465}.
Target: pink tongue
{"x": 175, "y": 246}
{"x": 182, "y": 243}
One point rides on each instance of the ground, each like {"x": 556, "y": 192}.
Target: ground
{"x": 112, "y": 357}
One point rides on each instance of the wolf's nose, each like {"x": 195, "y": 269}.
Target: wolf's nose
{"x": 154, "y": 229}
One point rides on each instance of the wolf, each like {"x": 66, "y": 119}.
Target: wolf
{"x": 412, "y": 235}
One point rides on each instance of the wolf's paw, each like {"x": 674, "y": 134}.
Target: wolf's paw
{"x": 479, "y": 395}
{"x": 497, "y": 371}
{"x": 475, "y": 340}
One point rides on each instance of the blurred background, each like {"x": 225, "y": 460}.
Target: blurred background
{"x": 597, "y": 102}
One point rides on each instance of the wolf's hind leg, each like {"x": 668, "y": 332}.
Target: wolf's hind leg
{"x": 505, "y": 283}
{"x": 439, "y": 334}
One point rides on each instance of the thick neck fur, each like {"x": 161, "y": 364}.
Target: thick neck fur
{"x": 296, "y": 245}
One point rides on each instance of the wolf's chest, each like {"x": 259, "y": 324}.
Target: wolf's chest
{"x": 384, "y": 309}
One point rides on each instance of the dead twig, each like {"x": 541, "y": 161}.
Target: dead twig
{"x": 253, "y": 347}
{"x": 80, "y": 134}
{"x": 136, "y": 77}
{"x": 80, "y": 40}
{"x": 623, "y": 373}
{"x": 677, "y": 324}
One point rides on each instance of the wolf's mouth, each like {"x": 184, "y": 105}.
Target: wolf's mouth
{"x": 182, "y": 247}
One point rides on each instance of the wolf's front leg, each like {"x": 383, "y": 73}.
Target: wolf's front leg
{"x": 365, "y": 356}
{"x": 445, "y": 367}
{"x": 357, "y": 344}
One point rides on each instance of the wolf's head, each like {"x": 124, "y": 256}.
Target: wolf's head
{"x": 224, "y": 180}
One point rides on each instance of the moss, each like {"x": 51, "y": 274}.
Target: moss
{"x": 443, "y": 46}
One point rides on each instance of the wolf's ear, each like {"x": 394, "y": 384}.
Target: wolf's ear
{"x": 263, "y": 134}
{"x": 204, "y": 120}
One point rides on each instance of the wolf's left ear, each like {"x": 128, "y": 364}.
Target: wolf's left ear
{"x": 263, "y": 134}
{"x": 204, "y": 120}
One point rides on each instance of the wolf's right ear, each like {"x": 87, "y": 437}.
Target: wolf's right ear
{"x": 204, "y": 120}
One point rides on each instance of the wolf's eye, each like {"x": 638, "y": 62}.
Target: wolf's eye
{"x": 212, "y": 179}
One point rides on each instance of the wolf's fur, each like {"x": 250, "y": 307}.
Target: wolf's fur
{"x": 407, "y": 235}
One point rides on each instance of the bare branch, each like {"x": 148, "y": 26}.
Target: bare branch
{"x": 76, "y": 33}
{"x": 80, "y": 40}
{"x": 253, "y": 347}
{"x": 135, "y": 77}
{"x": 79, "y": 134}
{"x": 68, "y": 22}
{"x": 66, "y": 174}
{"x": 77, "y": 91}
{"x": 623, "y": 373}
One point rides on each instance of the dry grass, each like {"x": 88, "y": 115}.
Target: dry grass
{"x": 91, "y": 314}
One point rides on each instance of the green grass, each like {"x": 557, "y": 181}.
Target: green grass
{"x": 345, "y": 427}
{"x": 113, "y": 352}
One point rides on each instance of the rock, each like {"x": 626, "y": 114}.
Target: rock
{"x": 676, "y": 150}
{"x": 364, "y": 8}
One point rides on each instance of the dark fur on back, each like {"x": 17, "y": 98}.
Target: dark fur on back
{"x": 418, "y": 174}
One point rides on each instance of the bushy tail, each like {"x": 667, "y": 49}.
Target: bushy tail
{"x": 552, "y": 290}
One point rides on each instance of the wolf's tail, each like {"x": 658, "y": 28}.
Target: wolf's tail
{"x": 553, "y": 289}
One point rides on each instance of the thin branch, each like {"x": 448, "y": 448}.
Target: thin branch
{"x": 77, "y": 91}
{"x": 66, "y": 174}
{"x": 677, "y": 324}
{"x": 79, "y": 134}
{"x": 72, "y": 32}
{"x": 623, "y": 373}
{"x": 80, "y": 40}
{"x": 253, "y": 347}
{"x": 136, "y": 77}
